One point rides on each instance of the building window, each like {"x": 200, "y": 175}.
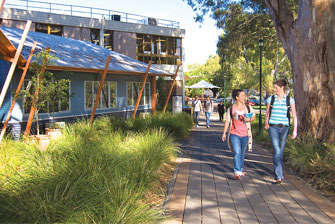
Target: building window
{"x": 49, "y": 29}
{"x": 158, "y": 49}
{"x": 107, "y": 96}
{"x": 62, "y": 106}
{"x": 95, "y": 36}
{"x": 133, "y": 93}
{"x": 108, "y": 39}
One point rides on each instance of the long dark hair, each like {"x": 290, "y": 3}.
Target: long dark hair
{"x": 235, "y": 93}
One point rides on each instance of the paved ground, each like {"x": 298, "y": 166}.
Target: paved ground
{"x": 204, "y": 190}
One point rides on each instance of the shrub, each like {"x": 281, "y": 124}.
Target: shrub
{"x": 92, "y": 174}
{"x": 313, "y": 160}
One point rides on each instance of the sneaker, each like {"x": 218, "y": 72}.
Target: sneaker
{"x": 278, "y": 181}
{"x": 236, "y": 176}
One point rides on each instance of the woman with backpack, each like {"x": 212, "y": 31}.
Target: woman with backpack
{"x": 277, "y": 122}
{"x": 238, "y": 118}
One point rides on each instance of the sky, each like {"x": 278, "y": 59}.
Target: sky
{"x": 199, "y": 42}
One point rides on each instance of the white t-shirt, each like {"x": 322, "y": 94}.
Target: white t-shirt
{"x": 197, "y": 105}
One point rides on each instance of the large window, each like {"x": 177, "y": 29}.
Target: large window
{"x": 61, "y": 106}
{"x": 134, "y": 90}
{"x": 158, "y": 49}
{"x": 107, "y": 96}
{"x": 49, "y": 29}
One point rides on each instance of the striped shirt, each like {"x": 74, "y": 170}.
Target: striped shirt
{"x": 279, "y": 111}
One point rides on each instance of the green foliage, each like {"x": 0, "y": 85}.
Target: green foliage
{"x": 210, "y": 72}
{"x": 57, "y": 92}
{"x": 92, "y": 174}
{"x": 313, "y": 160}
{"x": 244, "y": 23}
{"x": 178, "y": 125}
{"x": 51, "y": 90}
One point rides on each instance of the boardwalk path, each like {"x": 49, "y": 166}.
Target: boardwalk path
{"x": 205, "y": 192}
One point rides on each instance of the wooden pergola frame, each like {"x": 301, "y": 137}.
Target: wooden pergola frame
{"x": 171, "y": 88}
{"x": 2, "y": 4}
{"x": 14, "y": 62}
{"x": 102, "y": 81}
{"x": 33, "y": 108}
{"x": 17, "y": 91}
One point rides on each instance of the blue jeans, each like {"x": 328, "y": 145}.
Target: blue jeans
{"x": 208, "y": 118}
{"x": 239, "y": 145}
{"x": 196, "y": 117}
{"x": 278, "y": 136}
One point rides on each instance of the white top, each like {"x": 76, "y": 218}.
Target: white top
{"x": 197, "y": 105}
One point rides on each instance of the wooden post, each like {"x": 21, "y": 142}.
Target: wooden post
{"x": 97, "y": 98}
{"x": 171, "y": 88}
{"x": 33, "y": 108}
{"x": 13, "y": 65}
{"x": 18, "y": 90}
{"x": 142, "y": 88}
{"x": 2, "y": 4}
{"x": 154, "y": 95}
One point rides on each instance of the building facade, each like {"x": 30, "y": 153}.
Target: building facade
{"x": 139, "y": 37}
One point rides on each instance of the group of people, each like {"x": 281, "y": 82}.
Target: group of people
{"x": 207, "y": 108}
{"x": 237, "y": 127}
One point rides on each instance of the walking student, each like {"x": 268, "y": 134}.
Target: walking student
{"x": 221, "y": 110}
{"x": 208, "y": 108}
{"x": 277, "y": 122}
{"x": 196, "y": 110}
{"x": 237, "y": 119}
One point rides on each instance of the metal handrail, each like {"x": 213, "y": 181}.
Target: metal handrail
{"x": 85, "y": 11}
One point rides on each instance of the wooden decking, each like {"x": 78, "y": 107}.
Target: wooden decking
{"x": 205, "y": 192}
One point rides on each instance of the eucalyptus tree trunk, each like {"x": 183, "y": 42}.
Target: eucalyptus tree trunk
{"x": 309, "y": 42}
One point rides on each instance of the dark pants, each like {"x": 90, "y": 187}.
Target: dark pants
{"x": 221, "y": 116}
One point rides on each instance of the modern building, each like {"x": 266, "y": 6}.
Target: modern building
{"x": 139, "y": 37}
{"x": 82, "y": 63}
{"x": 82, "y": 44}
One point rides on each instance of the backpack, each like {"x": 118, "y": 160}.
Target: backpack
{"x": 287, "y": 104}
{"x": 231, "y": 112}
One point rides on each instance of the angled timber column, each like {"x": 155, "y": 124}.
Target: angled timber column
{"x": 171, "y": 88}
{"x": 17, "y": 90}
{"x": 33, "y": 108}
{"x": 142, "y": 88}
{"x": 2, "y": 4}
{"x": 14, "y": 62}
{"x": 154, "y": 94}
{"x": 97, "y": 98}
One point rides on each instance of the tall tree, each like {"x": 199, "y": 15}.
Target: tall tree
{"x": 306, "y": 30}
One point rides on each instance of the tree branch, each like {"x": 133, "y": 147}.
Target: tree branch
{"x": 282, "y": 17}
{"x": 283, "y": 20}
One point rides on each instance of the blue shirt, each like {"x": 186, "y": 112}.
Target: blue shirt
{"x": 279, "y": 110}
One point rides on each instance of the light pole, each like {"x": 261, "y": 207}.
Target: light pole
{"x": 260, "y": 44}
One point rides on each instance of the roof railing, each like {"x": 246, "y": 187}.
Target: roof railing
{"x": 90, "y": 12}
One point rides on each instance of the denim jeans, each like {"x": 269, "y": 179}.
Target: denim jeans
{"x": 278, "y": 137}
{"x": 196, "y": 117}
{"x": 208, "y": 118}
{"x": 239, "y": 145}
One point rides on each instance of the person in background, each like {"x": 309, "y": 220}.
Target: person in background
{"x": 221, "y": 110}
{"x": 196, "y": 110}
{"x": 208, "y": 108}
{"x": 240, "y": 136}
{"x": 277, "y": 122}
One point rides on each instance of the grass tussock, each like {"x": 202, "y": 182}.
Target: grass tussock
{"x": 103, "y": 173}
{"x": 314, "y": 161}
{"x": 178, "y": 125}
